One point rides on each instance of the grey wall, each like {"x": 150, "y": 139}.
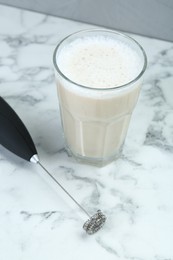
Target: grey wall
{"x": 147, "y": 17}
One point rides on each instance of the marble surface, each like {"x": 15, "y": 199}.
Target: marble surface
{"x": 38, "y": 221}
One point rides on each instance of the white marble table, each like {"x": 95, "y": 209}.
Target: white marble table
{"x": 38, "y": 221}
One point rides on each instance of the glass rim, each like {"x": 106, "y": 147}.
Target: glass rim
{"x": 139, "y": 75}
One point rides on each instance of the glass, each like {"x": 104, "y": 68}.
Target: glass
{"x": 95, "y": 120}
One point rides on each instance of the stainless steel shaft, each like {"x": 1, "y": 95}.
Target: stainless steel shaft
{"x": 95, "y": 222}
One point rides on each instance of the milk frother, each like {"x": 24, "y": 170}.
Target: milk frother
{"x": 15, "y": 137}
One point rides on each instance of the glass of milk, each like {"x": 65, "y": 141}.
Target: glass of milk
{"x": 98, "y": 75}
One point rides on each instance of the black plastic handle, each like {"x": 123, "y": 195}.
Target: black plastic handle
{"x": 13, "y": 134}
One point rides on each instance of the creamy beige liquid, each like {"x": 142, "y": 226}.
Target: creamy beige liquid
{"x": 96, "y": 120}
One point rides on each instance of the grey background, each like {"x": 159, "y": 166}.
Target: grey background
{"x": 146, "y": 17}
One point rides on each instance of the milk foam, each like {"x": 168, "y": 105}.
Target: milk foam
{"x": 99, "y": 62}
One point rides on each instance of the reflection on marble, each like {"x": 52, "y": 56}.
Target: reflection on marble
{"x": 38, "y": 221}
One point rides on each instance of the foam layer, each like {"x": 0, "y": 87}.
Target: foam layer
{"x": 99, "y": 62}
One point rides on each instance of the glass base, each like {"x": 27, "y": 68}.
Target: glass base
{"x": 99, "y": 162}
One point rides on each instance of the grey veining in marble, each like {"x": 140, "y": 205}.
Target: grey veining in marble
{"x": 38, "y": 221}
